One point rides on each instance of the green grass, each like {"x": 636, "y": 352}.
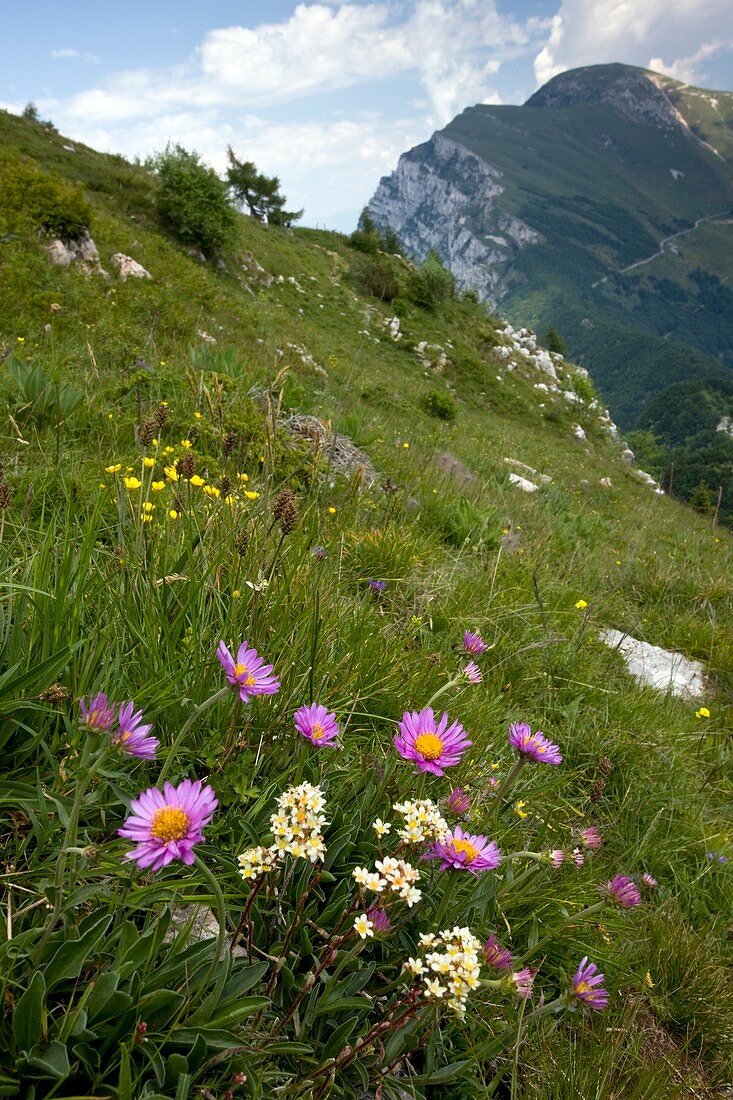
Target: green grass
{"x": 93, "y": 599}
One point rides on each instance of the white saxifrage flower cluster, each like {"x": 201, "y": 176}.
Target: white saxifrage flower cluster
{"x": 423, "y": 821}
{"x": 450, "y": 969}
{"x": 298, "y": 830}
{"x": 396, "y": 874}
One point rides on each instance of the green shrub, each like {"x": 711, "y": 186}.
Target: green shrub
{"x": 584, "y": 387}
{"x": 431, "y": 284}
{"x": 375, "y": 275}
{"x": 191, "y": 199}
{"x": 440, "y": 404}
{"x": 33, "y": 200}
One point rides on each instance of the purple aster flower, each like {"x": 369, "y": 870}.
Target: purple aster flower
{"x": 591, "y": 838}
{"x": 432, "y": 745}
{"x": 165, "y": 825}
{"x": 380, "y": 920}
{"x": 458, "y": 802}
{"x": 473, "y": 673}
{"x": 317, "y": 725}
{"x": 465, "y": 852}
{"x": 318, "y": 552}
{"x": 587, "y": 986}
{"x": 249, "y": 674}
{"x": 474, "y": 644}
{"x": 377, "y": 586}
{"x": 132, "y": 736}
{"x": 649, "y": 880}
{"x": 496, "y": 955}
{"x": 624, "y": 891}
{"x": 716, "y": 857}
{"x": 99, "y": 714}
{"x": 534, "y": 745}
{"x": 523, "y": 981}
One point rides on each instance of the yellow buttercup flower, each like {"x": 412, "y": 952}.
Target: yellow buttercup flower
{"x": 212, "y": 491}
{"x": 148, "y": 463}
{"x": 519, "y": 811}
{"x": 171, "y": 473}
{"x": 251, "y": 494}
{"x": 148, "y": 506}
{"x": 703, "y": 712}
{"x": 331, "y": 511}
{"x": 581, "y": 605}
{"x": 156, "y": 486}
{"x": 113, "y": 469}
{"x": 132, "y": 483}
{"x": 167, "y": 450}
{"x": 186, "y": 444}
{"x": 197, "y": 415}
{"x": 145, "y": 517}
{"x": 174, "y": 514}
{"x": 243, "y": 477}
{"x": 197, "y": 481}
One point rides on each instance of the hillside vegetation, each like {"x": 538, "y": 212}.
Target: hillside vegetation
{"x": 258, "y": 448}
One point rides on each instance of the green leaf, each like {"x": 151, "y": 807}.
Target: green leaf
{"x": 51, "y": 1060}
{"x": 158, "y": 1008}
{"x": 338, "y": 1039}
{"x": 214, "y": 1038}
{"x": 124, "y": 1082}
{"x": 243, "y": 980}
{"x": 29, "y": 1019}
{"x": 71, "y": 957}
{"x": 238, "y": 1010}
{"x": 444, "y": 1073}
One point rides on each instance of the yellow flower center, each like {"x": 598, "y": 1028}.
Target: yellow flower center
{"x": 465, "y": 846}
{"x": 583, "y": 987}
{"x": 317, "y": 732}
{"x": 240, "y": 671}
{"x": 169, "y": 823}
{"x": 429, "y": 746}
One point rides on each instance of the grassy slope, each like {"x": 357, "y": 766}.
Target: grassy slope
{"x": 643, "y": 563}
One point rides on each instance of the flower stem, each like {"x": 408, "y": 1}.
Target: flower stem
{"x": 178, "y": 739}
{"x": 442, "y": 690}
{"x": 509, "y": 781}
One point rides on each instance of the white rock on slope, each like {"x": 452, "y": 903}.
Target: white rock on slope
{"x": 128, "y": 268}
{"x": 658, "y": 668}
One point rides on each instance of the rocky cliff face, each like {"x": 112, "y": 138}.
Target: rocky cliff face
{"x": 444, "y": 197}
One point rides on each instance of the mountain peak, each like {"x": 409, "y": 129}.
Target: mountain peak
{"x": 640, "y": 95}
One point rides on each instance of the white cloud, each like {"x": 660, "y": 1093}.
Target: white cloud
{"x": 674, "y": 36}
{"x": 451, "y": 50}
{"x": 78, "y": 55}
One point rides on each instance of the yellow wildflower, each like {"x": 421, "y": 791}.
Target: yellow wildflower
{"x": 145, "y": 517}
{"x": 518, "y": 810}
{"x": 243, "y": 477}
{"x": 197, "y": 481}
{"x": 148, "y": 463}
{"x": 703, "y": 712}
{"x": 167, "y": 450}
{"x": 171, "y": 473}
{"x": 174, "y": 514}
{"x": 197, "y": 415}
{"x": 581, "y": 605}
{"x": 186, "y": 444}
{"x": 156, "y": 486}
{"x": 251, "y": 494}
{"x": 236, "y": 594}
{"x": 331, "y": 511}
{"x": 648, "y": 980}
{"x": 113, "y": 469}
{"x": 148, "y": 506}
{"x": 212, "y": 491}
{"x": 132, "y": 483}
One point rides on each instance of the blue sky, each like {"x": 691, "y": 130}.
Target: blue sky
{"x": 325, "y": 94}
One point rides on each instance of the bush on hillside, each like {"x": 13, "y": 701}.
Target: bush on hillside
{"x": 440, "y": 404}
{"x": 46, "y": 204}
{"x": 431, "y": 284}
{"x": 191, "y": 199}
{"x": 375, "y": 275}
